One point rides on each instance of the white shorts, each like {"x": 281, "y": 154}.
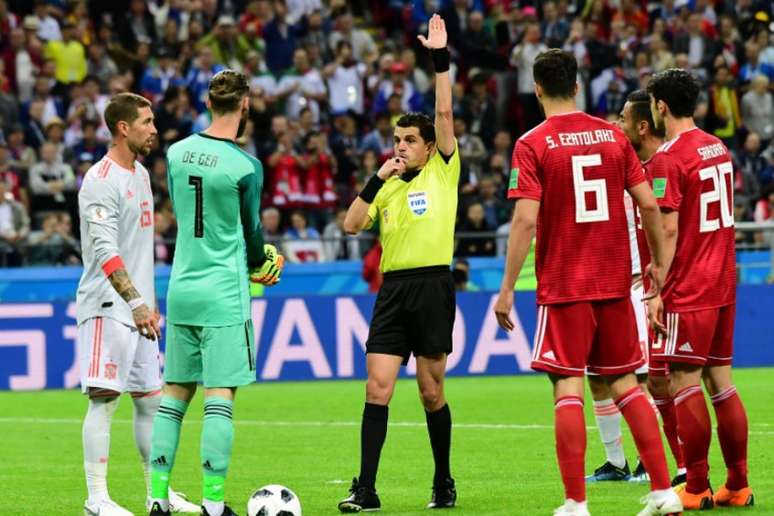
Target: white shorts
{"x": 115, "y": 356}
{"x": 641, "y": 315}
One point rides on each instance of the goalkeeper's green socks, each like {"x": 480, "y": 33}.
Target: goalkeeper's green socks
{"x": 217, "y": 441}
{"x": 164, "y": 441}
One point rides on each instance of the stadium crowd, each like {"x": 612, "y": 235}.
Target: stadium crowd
{"x": 329, "y": 79}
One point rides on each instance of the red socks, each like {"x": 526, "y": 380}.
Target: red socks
{"x": 570, "y": 431}
{"x": 732, "y": 434}
{"x": 639, "y": 415}
{"x": 666, "y": 406}
{"x": 695, "y": 431}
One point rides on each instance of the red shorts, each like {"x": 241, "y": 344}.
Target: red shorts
{"x": 656, "y": 366}
{"x": 600, "y": 336}
{"x": 703, "y": 337}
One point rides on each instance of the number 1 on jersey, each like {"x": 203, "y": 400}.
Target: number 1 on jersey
{"x": 197, "y": 182}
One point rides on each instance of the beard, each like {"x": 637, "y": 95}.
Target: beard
{"x": 139, "y": 150}
{"x": 242, "y": 123}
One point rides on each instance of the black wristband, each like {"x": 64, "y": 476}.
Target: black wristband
{"x": 372, "y": 187}
{"x": 441, "y": 59}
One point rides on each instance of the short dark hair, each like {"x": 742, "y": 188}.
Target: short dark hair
{"x": 124, "y": 107}
{"x": 226, "y": 91}
{"x": 422, "y": 122}
{"x": 556, "y": 71}
{"x": 677, "y": 88}
{"x": 640, "y": 101}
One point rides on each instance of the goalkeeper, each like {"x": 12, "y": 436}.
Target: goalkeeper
{"x": 216, "y": 190}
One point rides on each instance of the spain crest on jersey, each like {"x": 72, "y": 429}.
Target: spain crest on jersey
{"x": 418, "y": 202}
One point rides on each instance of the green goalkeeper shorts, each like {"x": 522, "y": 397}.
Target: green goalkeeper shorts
{"x": 213, "y": 356}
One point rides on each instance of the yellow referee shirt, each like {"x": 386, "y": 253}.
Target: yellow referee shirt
{"x": 416, "y": 218}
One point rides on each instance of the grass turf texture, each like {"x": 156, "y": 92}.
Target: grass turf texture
{"x": 306, "y": 436}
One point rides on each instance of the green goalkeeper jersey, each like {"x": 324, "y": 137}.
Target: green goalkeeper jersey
{"x": 216, "y": 190}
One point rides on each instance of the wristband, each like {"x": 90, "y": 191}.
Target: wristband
{"x": 135, "y": 303}
{"x": 372, "y": 187}
{"x": 440, "y": 59}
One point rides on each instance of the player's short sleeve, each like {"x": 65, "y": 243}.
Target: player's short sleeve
{"x": 666, "y": 174}
{"x": 634, "y": 171}
{"x": 449, "y": 166}
{"x": 524, "y": 182}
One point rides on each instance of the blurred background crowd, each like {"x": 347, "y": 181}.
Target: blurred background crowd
{"x": 329, "y": 79}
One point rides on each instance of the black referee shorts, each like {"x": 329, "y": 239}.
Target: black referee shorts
{"x": 414, "y": 313}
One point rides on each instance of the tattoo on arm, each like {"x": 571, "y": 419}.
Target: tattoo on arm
{"x": 123, "y": 285}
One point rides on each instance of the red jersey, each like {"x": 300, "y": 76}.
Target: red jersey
{"x": 578, "y": 167}
{"x": 697, "y": 181}
{"x": 656, "y": 165}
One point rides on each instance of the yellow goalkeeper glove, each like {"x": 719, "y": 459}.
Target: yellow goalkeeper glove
{"x": 269, "y": 273}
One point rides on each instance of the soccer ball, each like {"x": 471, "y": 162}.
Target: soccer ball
{"x": 274, "y": 500}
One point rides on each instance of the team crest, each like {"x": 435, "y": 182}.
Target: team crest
{"x": 111, "y": 370}
{"x": 418, "y": 202}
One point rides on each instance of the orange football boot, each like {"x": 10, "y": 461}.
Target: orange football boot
{"x": 696, "y": 502}
{"x": 741, "y": 498}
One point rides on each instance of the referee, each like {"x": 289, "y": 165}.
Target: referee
{"x": 413, "y": 197}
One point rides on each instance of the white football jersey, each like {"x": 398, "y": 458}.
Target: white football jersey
{"x": 116, "y": 211}
{"x": 632, "y": 224}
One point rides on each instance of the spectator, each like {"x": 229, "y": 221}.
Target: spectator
{"x": 692, "y": 41}
{"x": 173, "y": 119}
{"x": 158, "y": 79}
{"x": 758, "y": 109}
{"x": 379, "y": 140}
{"x": 410, "y": 98}
{"x": 139, "y": 26}
{"x": 14, "y": 228}
{"x": 302, "y": 243}
{"x": 228, "y": 46}
{"x": 54, "y": 244}
{"x": 55, "y": 129}
{"x": 260, "y": 77}
{"x": 21, "y": 64}
{"x": 415, "y": 74}
{"x": 496, "y": 208}
{"x": 741, "y": 209}
{"x": 14, "y": 179}
{"x": 361, "y": 42}
{"x": 45, "y": 26}
{"x": 280, "y": 37}
{"x": 285, "y": 163}
{"x": 272, "y": 228}
{"x": 89, "y": 148}
{"x": 749, "y": 165}
{"x": 480, "y": 109}
{"x": 461, "y": 275}
{"x": 198, "y": 78}
{"x": 301, "y": 87}
{"x": 724, "y": 118}
{"x": 337, "y": 244}
{"x": 473, "y": 153}
{"x": 163, "y": 237}
{"x": 660, "y": 56}
{"x": 754, "y": 66}
{"x": 344, "y": 145}
{"x": 21, "y": 156}
{"x": 68, "y": 55}
{"x": 52, "y": 182}
{"x": 345, "y": 81}
{"x": 555, "y": 29}
{"x": 317, "y": 31}
{"x": 471, "y": 244}
{"x": 522, "y": 58}
{"x": 372, "y": 272}
{"x": 764, "y": 208}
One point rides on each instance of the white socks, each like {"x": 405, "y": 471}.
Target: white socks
{"x": 609, "y": 423}
{"x": 213, "y": 508}
{"x": 144, "y": 410}
{"x": 96, "y": 446}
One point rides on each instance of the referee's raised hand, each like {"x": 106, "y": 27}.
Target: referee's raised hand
{"x": 392, "y": 167}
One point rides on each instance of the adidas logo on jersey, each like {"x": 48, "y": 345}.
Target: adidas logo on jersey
{"x": 686, "y": 347}
{"x": 549, "y": 355}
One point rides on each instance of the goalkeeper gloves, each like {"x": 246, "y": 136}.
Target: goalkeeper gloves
{"x": 269, "y": 273}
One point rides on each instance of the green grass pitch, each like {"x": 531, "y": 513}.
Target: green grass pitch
{"x": 306, "y": 436}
